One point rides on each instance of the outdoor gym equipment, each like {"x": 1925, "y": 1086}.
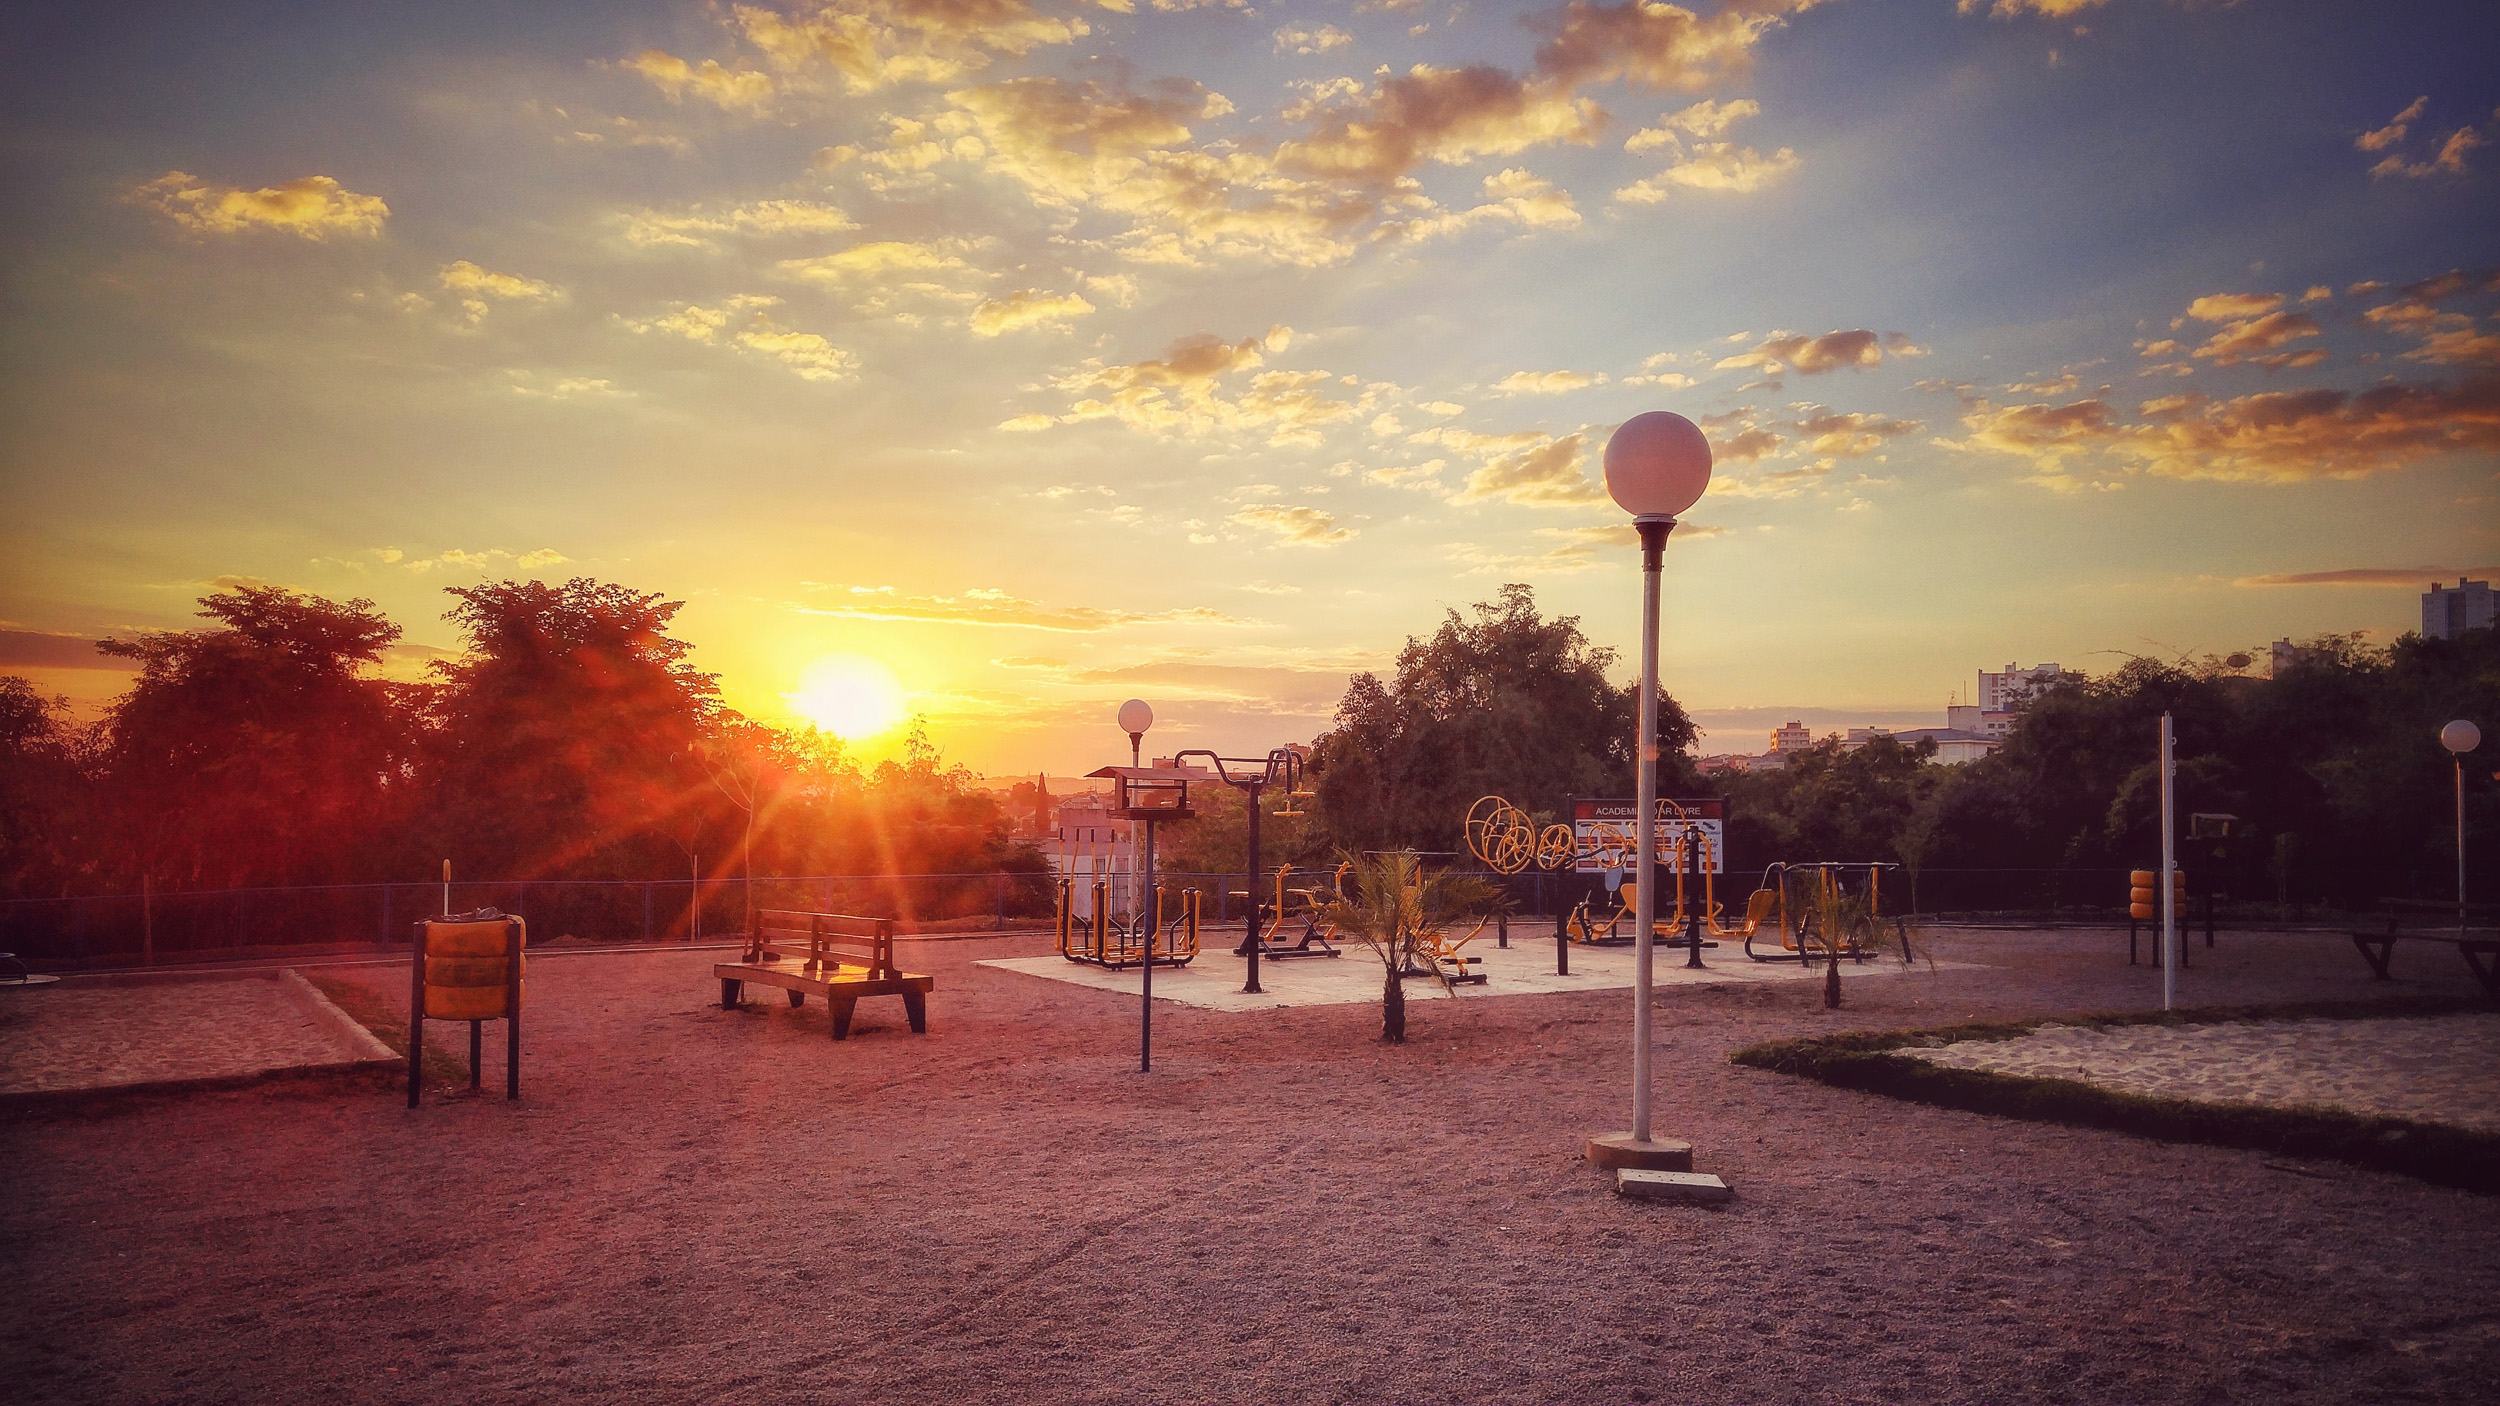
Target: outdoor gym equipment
{"x": 1506, "y": 840}
{"x": 1120, "y": 941}
{"x": 1802, "y": 938}
{"x": 1282, "y": 765}
{"x": 2144, "y": 904}
{"x": 467, "y": 968}
{"x": 1316, "y": 930}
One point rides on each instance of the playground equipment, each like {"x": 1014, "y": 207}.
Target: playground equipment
{"x": 1506, "y": 840}
{"x": 1802, "y": 936}
{"x": 467, "y": 968}
{"x": 1281, "y": 766}
{"x": 1316, "y": 929}
{"x": 1118, "y": 941}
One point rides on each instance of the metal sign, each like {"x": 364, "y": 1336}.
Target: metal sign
{"x": 1604, "y": 832}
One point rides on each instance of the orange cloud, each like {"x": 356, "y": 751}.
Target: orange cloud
{"x": 2275, "y": 437}
{"x": 730, "y": 90}
{"x": 1026, "y": 307}
{"x": 1296, "y": 527}
{"x": 314, "y": 207}
{"x": 1812, "y": 356}
{"x": 873, "y": 44}
{"x": 1546, "y": 474}
{"x": 998, "y": 610}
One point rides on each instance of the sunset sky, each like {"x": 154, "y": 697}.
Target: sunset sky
{"x": 1048, "y": 354}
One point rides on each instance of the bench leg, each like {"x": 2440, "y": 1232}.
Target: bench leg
{"x": 476, "y": 1029}
{"x": 797, "y": 999}
{"x": 729, "y": 993}
{"x": 842, "y": 1015}
{"x": 916, "y": 1005}
{"x": 2376, "y": 952}
{"x": 2486, "y": 972}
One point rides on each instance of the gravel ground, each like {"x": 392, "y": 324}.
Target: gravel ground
{"x": 696, "y": 1204}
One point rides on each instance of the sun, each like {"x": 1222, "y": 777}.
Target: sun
{"x": 849, "y": 695}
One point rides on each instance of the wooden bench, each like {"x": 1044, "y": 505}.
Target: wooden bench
{"x": 838, "y": 957}
{"x": 2413, "y": 921}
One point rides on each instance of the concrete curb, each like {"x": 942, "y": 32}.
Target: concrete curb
{"x": 340, "y": 1023}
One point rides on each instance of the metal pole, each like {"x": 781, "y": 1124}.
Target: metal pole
{"x": 446, "y": 888}
{"x": 1645, "y": 770}
{"x": 2169, "y": 876}
{"x": 2459, "y": 758}
{"x": 1258, "y": 867}
{"x": 147, "y": 906}
{"x": 1146, "y": 1002}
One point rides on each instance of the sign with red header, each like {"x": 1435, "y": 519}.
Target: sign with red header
{"x": 1605, "y": 835}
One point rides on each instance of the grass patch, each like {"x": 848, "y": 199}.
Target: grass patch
{"x": 388, "y": 1020}
{"x": 1868, "y": 1061}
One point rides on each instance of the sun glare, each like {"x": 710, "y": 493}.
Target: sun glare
{"x": 850, "y": 696}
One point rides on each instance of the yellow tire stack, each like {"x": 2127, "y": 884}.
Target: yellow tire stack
{"x": 464, "y": 971}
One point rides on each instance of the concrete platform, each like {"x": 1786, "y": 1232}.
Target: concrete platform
{"x": 1655, "y": 1154}
{"x": 1213, "y": 981}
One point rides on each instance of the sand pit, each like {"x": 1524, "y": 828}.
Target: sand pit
{"x": 691, "y": 1204}
{"x": 2441, "y": 1069}
{"x": 137, "y": 1034}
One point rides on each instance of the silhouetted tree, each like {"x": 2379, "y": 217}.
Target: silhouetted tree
{"x": 1505, "y": 703}
{"x": 260, "y": 751}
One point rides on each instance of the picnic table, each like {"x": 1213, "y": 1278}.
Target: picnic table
{"x": 2470, "y": 930}
{"x": 833, "y": 955}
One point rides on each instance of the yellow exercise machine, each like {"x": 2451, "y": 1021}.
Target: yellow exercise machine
{"x": 1316, "y": 930}
{"x": 1108, "y": 940}
{"x": 1826, "y": 902}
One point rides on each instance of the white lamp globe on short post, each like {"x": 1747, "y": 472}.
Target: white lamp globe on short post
{"x": 2460, "y": 737}
{"x": 1657, "y": 466}
{"x": 1135, "y": 718}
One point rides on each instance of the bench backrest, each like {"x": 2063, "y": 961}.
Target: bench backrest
{"x": 825, "y": 940}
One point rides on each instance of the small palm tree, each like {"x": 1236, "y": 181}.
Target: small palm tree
{"x": 1390, "y": 902}
{"x": 1830, "y": 919}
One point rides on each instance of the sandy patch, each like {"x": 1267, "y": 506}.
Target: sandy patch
{"x": 68, "y": 1036}
{"x": 2435, "y": 1069}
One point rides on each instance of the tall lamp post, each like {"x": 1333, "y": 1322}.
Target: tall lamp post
{"x": 2460, "y": 737}
{"x": 1657, "y": 466}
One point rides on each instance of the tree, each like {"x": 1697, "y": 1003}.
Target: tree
{"x": 1390, "y": 902}
{"x": 1506, "y": 703}
{"x": 259, "y": 751}
{"x": 45, "y": 800}
{"x": 567, "y": 742}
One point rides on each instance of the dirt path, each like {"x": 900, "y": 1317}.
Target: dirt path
{"x": 694, "y": 1204}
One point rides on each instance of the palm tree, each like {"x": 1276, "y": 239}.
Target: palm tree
{"x": 1390, "y": 903}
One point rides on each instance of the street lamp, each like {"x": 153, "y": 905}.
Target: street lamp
{"x": 1135, "y": 718}
{"x": 2460, "y": 737}
{"x": 1657, "y": 465}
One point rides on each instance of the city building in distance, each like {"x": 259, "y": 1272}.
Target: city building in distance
{"x": 2448, "y": 612}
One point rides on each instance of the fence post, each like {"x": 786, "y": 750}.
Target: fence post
{"x": 386, "y": 915}
{"x": 646, "y": 912}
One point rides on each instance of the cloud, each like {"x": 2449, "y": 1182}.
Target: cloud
{"x": 1296, "y": 526}
{"x": 872, "y": 44}
{"x": 1712, "y": 166}
{"x": 476, "y": 285}
{"x": 1026, "y": 307}
{"x": 2449, "y": 161}
{"x": 999, "y": 610}
{"x": 1812, "y": 356}
{"x": 1702, "y": 121}
{"x": 39, "y": 649}
{"x": 2380, "y": 139}
{"x": 730, "y": 90}
{"x": 743, "y": 323}
{"x": 2233, "y": 307}
{"x": 2251, "y": 340}
{"x": 2047, "y": 9}
{"x": 1544, "y": 474}
{"x": 2448, "y": 338}
{"x": 1546, "y": 382}
{"x": 1294, "y": 38}
{"x": 691, "y": 227}
{"x": 457, "y": 559}
{"x": 1513, "y": 197}
{"x": 1181, "y": 393}
{"x": 1846, "y": 435}
{"x": 2411, "y": 576}
{"x": 314, "y": 207}
{"x": 1447, "y": 115}
{"x": 874, "y": 261}
{"x": 2275, "y": 437}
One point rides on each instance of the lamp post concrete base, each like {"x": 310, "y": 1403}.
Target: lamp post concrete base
{"x": 1665, "y": 1154}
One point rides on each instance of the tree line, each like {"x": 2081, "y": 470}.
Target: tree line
{"x": 570, "y": 740}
